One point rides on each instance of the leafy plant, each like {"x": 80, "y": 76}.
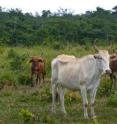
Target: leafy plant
{"x": 26, "y": 114}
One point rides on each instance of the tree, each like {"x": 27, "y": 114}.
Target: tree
{"x": 46, "y": 13}
{"x": 114, "y": 10}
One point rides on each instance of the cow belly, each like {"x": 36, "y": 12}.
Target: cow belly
{"x": 72, "y": 85}
{"x": 68, "y": 80}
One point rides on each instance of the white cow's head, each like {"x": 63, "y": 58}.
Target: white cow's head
{"x": 102, "y": 59}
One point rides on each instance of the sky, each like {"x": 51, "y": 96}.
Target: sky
{"x": 76, "y": 6}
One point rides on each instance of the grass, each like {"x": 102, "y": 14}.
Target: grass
{"x": 25, "y": 105}
{"x": 37, "y": 102}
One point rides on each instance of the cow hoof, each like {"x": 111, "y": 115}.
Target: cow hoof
{"x": 64, "y": 112}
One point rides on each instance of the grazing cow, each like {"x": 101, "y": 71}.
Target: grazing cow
{"x": 113, "y": 66}
{"x": 79, "y": 74}
{"x": 37, "y": 69}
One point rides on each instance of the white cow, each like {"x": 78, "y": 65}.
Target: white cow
{"x": 79, "y": 74}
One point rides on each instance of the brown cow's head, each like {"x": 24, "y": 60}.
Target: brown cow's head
{"x": 36, "y": 59}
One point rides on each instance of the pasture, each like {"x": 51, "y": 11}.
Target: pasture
{"x": 22, "y": 104}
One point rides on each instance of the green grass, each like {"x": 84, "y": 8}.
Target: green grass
{"x": 37, "y": 101}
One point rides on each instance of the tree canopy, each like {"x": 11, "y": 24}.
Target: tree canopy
{"x": 18, "y": 28}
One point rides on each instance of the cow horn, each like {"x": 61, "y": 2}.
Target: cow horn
{"x": 94, "y": 45}
{"x": 110, "y": 48}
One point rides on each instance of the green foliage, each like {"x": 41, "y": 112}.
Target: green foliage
{"x": 16, "y": 64}
{"x": 2, "y": 49}
{"x": 24, "y": 79}
{"x": 112, "y": 100}
{"x": 22, "y": 29}
{"x": 26, "y": 114}
{"x": 95, "y": 121}
{"x": 105, "y": 88}
{"x": 56, "y": 46}
{"x": 7, "y": 78}
{"x": 46, "y": 118}
{"x": 12, "y": 53}
{"x": 24, "y": 106}
{"x": 72, "y": 97}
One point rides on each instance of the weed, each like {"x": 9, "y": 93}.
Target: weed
{"x": 26, "y": 114}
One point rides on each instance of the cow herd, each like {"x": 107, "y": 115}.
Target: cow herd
{"x": 83, "y": 74}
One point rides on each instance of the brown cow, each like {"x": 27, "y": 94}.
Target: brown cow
{"x": 37, "y": 69}
{"x": 113, "y": 66}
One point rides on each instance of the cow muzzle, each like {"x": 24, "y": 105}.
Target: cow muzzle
{"x": 108, "y": 71}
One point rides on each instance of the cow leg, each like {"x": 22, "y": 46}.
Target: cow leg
{"x": 37, "y": 79}
{"x": 54, "y": 89}
{"x": 43, "y": 77}
{"x": 115, "y": 82}
{"x": 85, "y": 101}
{"x": 62, "y": 100}
{"x": 92, "y": 101}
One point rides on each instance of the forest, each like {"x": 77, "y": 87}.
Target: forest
{"x": 26, "y": 29}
